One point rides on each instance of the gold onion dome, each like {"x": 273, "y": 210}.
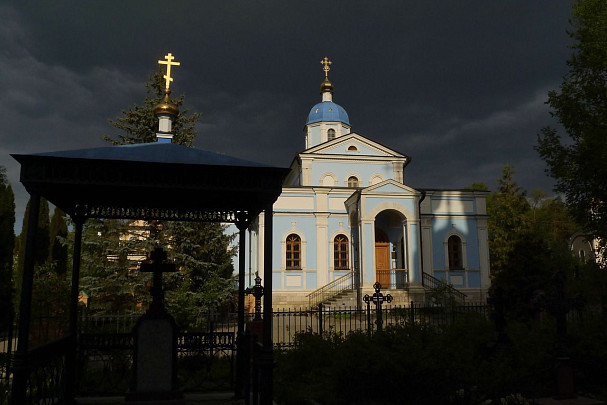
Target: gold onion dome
{"x": 326, "y": 86}
{"x": 165, "y": 106}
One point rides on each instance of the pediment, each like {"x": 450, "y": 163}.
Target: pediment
{"x": 389, "y": 187}
{"x": 353, "y": 145}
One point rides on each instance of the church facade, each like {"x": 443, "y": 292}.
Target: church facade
{"x": 346, "y": 219}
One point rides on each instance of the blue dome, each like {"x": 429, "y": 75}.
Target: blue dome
{"x": 328, "y": 111}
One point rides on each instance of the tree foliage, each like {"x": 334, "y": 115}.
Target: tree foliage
{"x": 42, "y": 248}
{"x": 7, "y": 245}
{"x": 528, "y": 242}
{"x": 507, "y": 209}
{"x": 108, "y": 267}
{"x": 580, "y": 105}
{"x": 113, "y": 249}
{"x": 477, "y": 185}
{"x": 58, "y": 240}
{"x": 139, "y": 125}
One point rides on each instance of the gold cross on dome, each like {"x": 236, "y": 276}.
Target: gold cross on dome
{"x": 169, "y": 62}
{"x": 326, "y": 68}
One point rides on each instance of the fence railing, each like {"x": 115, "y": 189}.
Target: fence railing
{"x": 287, "y": 323}
{"x": 105, "y": 349}
{"x": 45, "y": 376}
{"x": 430, "y": 282}
{"x": 8, "y": 345}
{"x": 393, "y": 279}
{"x": 331, "y": 290}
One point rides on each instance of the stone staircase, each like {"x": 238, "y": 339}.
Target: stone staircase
{"x": 344, "y": 300}
{"x": 347, "y": 298}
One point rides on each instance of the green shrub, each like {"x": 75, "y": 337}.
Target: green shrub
{"x": 420, "y": 364}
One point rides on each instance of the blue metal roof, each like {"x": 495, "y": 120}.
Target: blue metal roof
{"x": 155, "y": 152}
{"x": 328, "y": 111}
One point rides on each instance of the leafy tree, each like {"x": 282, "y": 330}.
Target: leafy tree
{"x": 50, "y": 303}
{"x": 477, "y": 185}
{"x": 58, "y": 240}
{"x": 139, "y": 125}
{"x": 112, "y": 249}
{"x": 507, "y": 209}
{"x": 580, "y": 105}
{"x": 7, "y": 245}
{"x": 551, "y": 221}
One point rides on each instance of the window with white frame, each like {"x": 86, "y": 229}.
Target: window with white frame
{"x": 340, "y": 253}
{"x": 454, "y": 248}
{"x": 330, "y": 134}
{"x": 293, "y": 252}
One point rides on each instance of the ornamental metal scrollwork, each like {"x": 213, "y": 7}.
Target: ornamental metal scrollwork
{"x": 100, "y": 211}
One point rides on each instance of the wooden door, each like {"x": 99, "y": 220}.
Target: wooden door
{"x": 382, "y": 263}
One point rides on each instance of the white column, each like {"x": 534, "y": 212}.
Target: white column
{"x": 322, "y": 254}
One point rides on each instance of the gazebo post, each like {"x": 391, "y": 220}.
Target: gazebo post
{"x": 267, "y": 357}
{"x": 74, "y": 295}
{"x": 241, "y": 361}
{"x": 21, "y": 362}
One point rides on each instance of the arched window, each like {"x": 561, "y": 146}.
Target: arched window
{"x": 454, "y": 247}
{"x": 293, "y": 252}
{"x": 340, "y": 253}
{"x": 352, "y": 181}
{"x": 352, "y": 148}
{"x": 330, "y": 134}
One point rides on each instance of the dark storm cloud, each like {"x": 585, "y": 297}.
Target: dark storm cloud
{"x": 459, "y": 86}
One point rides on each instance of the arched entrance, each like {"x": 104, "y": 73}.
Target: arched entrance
{"x": 390, "y": 249}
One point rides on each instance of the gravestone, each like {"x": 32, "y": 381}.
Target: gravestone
{"x": 155, "y": 357}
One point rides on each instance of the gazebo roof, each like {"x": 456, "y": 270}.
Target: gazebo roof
{"x": 152, "y": 181}
{"x": 154, "y": 152}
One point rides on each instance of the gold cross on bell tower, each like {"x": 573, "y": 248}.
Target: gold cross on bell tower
{"x": 169, "y": 62}
{"x": 326, "y": 62}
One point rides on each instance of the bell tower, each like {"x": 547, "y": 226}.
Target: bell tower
{"x": 326, "y": 120}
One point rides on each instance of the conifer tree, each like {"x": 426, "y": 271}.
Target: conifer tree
{"x": 201, "y": 251}
{"x": 7, "y": 245}
{"x": 41, "y": 253}
{"x": 139, "y": 125}
{"x": 58, "y": 241}
{"x": 507, "y": 221}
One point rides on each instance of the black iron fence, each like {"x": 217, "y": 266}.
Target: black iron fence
{"x": 287, "y": 323}
{"x": 8, "y": 344}
{"x": 206, "y": 357}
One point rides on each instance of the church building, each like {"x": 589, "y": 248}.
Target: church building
{"x": 346, "y": 219}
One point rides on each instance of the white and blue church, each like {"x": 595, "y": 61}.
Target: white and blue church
{"x": 347, "y": 219}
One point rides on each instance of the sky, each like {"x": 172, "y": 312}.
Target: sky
{"x": 459, "y": 86}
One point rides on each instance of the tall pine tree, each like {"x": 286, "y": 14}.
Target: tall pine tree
{"x": 139, "y": 125}
{"x": 201, "y": 251}
{"x": 58, "y": 241}
{"x": 41, "y": 252}
{"x": 7, "y": 245}
{"x": 507, "y": 220}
